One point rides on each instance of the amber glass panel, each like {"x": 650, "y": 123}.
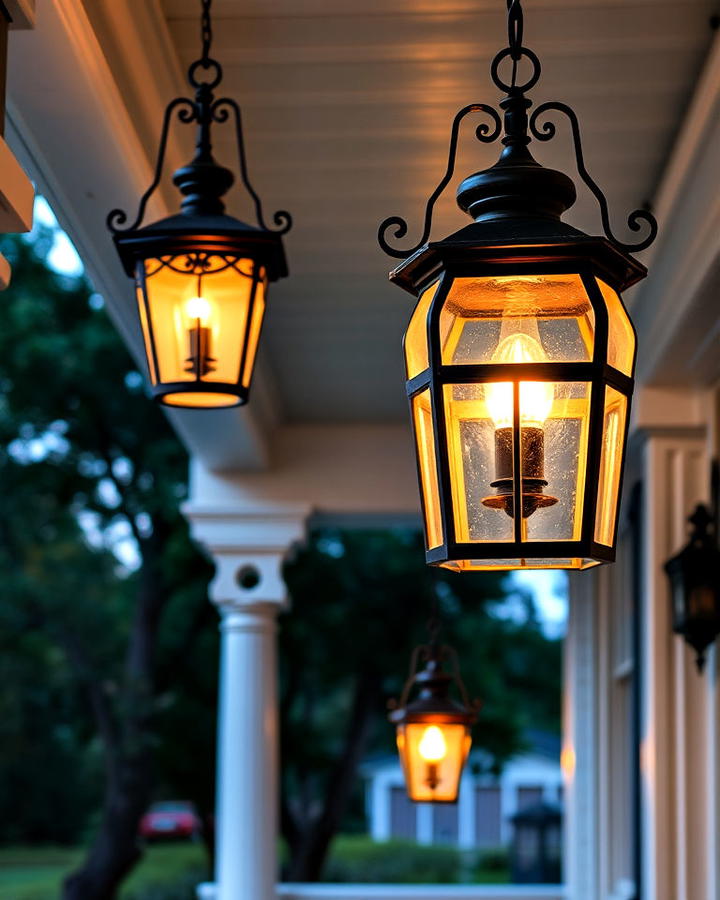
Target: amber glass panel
{"x": 517, "y": 318}
{"x": 621, "y": 337}
{"x": 495, "y": 565}
{"x": 610, "y": 465}
{"x": 433, "y": 755}
{"x": 553, "y": 445}
{"x": 255, "y": 325}
{"x": 425, "y": 443}
{"x": 474, "y": 442}
{"x": 187, "y": 311}
{"x": 415, "y": 341}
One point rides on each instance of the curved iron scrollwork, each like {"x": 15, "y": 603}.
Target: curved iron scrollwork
{"x": 188, "y": 112}
{"x": 219, "y": 112}
{"x": 637, "y": 217}
{"x": 517, "y": 126}
{"x": 483, "y": 133}
{"x": 203, "y": 110}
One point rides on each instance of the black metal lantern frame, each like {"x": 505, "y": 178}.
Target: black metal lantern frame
{"x": 517, "y": 204}
{"x": 433, "y": 705}
{"x": 202, "y": 240}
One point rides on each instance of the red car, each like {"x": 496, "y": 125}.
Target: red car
{"x": 170, "y": 819}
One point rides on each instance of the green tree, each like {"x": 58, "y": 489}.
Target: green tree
{"x": 360, "y": 601}
{"x": 81, "y": 442}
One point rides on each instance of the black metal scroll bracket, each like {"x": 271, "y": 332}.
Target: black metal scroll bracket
{"x": 190, "y": 113}
{"x": 484, "y": 134}
{"x": 635, "y": 220}
{"x": 219, "y": 112}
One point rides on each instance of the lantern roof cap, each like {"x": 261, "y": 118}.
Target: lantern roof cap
{"x": 433, "y": 703}
{"x": 514, "y": 240}
{"x": 185, "y": 231}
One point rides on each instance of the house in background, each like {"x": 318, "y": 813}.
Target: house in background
{"x": 482, "y": 816}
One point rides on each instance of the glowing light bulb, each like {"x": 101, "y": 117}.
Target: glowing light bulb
{"x": 536, "y": 397}
{"x": 432, "y": 746}
{"x": 198, "y": 308}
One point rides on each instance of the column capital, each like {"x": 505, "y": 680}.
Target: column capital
{"x": 248, "y": 546}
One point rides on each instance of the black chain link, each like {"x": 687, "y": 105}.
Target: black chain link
{"x": 515, "y": 28}
{"x": 206, "y": 32}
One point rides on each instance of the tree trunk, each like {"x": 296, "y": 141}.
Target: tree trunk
{"x": 128, "y": 745}
{"x": 115, "y": 850}
{"x": 309, "y": 852}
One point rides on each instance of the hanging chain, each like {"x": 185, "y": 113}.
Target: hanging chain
{"x": 206, "y": 32}
{"x": 515, "y": 35}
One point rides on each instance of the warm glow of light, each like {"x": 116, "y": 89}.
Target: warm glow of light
{"x": 567, "y": 761}
{"x": 198, "y": 308}
{"x": 536, "y": 397}
{"x": 432, "y": 747}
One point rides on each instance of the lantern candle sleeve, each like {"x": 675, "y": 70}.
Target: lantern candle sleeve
{"x": 433, "y": 729}
{"x": 519, "y": 355}
{"x": 201, "y": 276}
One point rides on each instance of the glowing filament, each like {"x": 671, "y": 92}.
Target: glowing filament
{"x": 536, "y": 397}
{"x": 432, "y": 747}
{"x": 198, "y": 308}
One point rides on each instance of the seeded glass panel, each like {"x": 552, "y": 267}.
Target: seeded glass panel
{"x": 610, "y": 465}
{"x": 425, "y": 442}
{"x": 517, "y": 318}
{"x": 173, "y": 290}
{"x": 258, "y": 314}
{"x": 471, "y": 436}
{"x": 554, "y": 449}
{"x": 415, "y": 341}
{"x": 420, "y": 773}
{"x": 621, "y": 337}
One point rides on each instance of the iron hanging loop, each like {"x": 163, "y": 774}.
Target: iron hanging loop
{"x": 209, "y": 65}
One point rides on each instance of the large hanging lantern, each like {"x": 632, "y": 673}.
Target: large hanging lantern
{"x": 694, "y": 575}
{"x": 433, "y": 730}
{"x": 519, "y": 355}
{"x": 201, "y": 276}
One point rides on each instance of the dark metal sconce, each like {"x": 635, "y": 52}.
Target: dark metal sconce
{"x": 694, "y": 575}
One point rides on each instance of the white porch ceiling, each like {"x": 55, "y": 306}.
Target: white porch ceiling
{"x": 347, "y": 109}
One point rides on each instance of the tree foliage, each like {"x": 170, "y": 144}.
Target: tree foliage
{"x": 87, "y": 460}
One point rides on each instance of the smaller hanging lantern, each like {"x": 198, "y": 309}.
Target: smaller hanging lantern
{"x": 433, "y": 730}
{"x": 201, "y": 276}
{"x": 520, "y": 355}
{"x": 694, "y": 575}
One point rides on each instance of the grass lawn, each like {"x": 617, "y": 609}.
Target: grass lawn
{"x": 35, "y": 873}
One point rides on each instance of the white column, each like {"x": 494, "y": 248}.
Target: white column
{"x": 579, "y": 763}
{"x": 466, "y": 812}
{"x": 248, "y": 548}
{"x": 677, "y": 771}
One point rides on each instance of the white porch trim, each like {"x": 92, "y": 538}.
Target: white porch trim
{"x": 404, "y": 892}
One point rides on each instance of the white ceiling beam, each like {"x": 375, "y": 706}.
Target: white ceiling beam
{"x": 675, "y": 309}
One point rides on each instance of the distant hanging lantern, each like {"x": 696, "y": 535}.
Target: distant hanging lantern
{"x": 201, "y": 276}
{"x": 433, "y": 729}
{"x": 694, "y": 575}
{"x": 519, "y": 355}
